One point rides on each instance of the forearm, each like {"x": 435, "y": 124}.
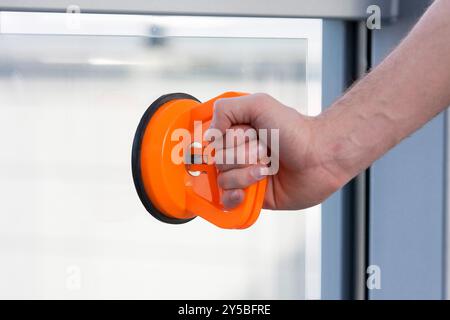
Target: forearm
{"x": 405, "y": 91}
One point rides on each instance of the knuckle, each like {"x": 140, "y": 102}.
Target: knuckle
{"x": 221, "y": 167}
{"x": 222, "y": 180}
{"x": 219, "y": 106}
{"x": 262, "y": 98}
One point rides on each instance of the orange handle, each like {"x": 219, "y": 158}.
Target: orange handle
{"x": 212, "y": 210}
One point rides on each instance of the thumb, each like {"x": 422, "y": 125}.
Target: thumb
{"x": 230, "y": 112}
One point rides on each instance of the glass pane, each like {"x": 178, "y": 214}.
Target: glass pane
{"x": 71, "y": 223}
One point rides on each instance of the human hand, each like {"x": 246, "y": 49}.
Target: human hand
{"x": 306, "y": 175}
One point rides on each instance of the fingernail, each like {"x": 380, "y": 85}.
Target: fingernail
{"x": 208, "y": 134}
{"x": 258, "y": 173}
{"x": 235, "y": 195}
{"x": 234, "y": 198}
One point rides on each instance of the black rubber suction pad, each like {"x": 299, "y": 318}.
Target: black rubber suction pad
{"x": 136, "y": 156}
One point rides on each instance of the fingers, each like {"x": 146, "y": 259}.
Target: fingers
{"x": 239, "y": 110}
{"x": 241, "y": 178}
{"x": 233, "y": 181}
{"x": 239, "y": 157}
{"x": 232, "y": 198}
{"x": 235, "y": 136}
{"x": 241, "y": 149}
{"x": 240, "y": 172}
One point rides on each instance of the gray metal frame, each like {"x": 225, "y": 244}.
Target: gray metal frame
{"x": 408, "y": 196}
{"x": 335, "y": 216}
{"x": 338, "y": 9}
{"x": 361, "y": 182}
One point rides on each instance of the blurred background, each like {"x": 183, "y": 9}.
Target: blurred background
{"x": 71, "y": 223}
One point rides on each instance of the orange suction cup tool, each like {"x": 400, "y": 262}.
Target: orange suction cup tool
{"x": 175, "y": 191}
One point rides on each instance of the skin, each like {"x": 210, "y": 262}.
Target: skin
{"x": 318, "y": 155}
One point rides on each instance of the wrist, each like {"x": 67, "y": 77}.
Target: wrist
{"x": 344, "y": 141}
{"x": 325, "y": 151}
{"x": 353, "y": 135}
{"x": 334, "y": 148}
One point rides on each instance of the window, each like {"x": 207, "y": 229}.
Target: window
{"x": 72, "y": 93}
